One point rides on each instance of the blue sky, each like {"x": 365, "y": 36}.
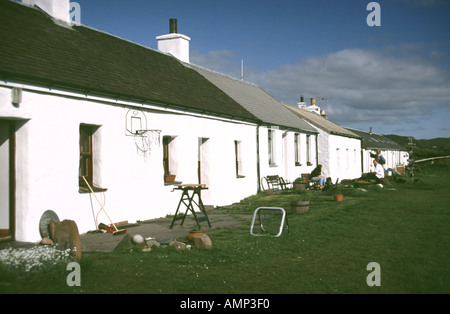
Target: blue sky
{"x": 394, "y": 78}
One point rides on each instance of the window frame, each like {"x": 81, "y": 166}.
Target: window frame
{"x": 308, "y": 150}
{"x": 169, "y": 176}
{"x": 238, "y": 159}
{"x": 297, "y": 150}
{"x": 271, "y": 149}
{"x": 86, "y": 159}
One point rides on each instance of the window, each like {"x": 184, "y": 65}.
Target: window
{"x": 87, "y": 158}
{"x": 338, "y": 158}
{"x": 297, "y": 149}
{"x": 347, "y": 159}
{"x": 238, "y": 159}
{"x": 166, "y": 165}
{"x": 308, "y": 150}
{"x": 169, "y": 172}
{"x": 166, "y": 157}
{"x": 271, "y": 147}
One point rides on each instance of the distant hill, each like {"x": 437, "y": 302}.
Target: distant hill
{"x": 424, "y": 148}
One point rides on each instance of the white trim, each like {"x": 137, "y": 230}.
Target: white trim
{"x": 126, "y": 103}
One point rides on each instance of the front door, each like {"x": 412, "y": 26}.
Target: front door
{"x": 7, "y": 185}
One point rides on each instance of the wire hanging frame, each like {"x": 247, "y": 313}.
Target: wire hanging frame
{"x": 145, "y": 139}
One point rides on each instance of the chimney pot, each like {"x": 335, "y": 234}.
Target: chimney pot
{"x": 173, "y": 26}
{"x": 174, "y": 43}
{"x": 313, "y": 101}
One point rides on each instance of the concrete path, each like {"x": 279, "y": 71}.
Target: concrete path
{"x": 160, "y": 230}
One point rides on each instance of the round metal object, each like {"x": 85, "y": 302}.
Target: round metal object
{"x": 46, "y": 217}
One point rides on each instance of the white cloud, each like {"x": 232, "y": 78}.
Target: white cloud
{"x": 361, "y": 85}
{"x": 388, "y": 89}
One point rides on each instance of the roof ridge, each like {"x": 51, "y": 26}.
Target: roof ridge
{"x": 220, "y": 73}
{"x": 309, "y": 114}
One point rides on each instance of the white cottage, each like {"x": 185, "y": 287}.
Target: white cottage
{"x": 339, "y": 150}
{"x": 77, "y": 102}
{"x": 287, "y": 145}
{"x": 396, "y": 156}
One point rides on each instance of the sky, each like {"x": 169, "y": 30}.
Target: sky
{"x": 393, "y": 77}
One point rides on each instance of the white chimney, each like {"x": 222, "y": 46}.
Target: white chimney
{"x": 301, "y": 104}
{"x": 313, "y": 107}
{"x": 58, "y": 9}
{"x": 174, "y": 43}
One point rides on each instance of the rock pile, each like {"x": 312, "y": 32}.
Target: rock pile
{"x": 129, "y": 242}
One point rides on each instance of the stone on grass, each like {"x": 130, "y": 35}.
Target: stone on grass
{"x": 152, "y": 242}
{"x": 179, "y": 246}
{"x": 138, "y": 239}
{"x": 202, "y": 241}
{"x": 66, "y": 236}
{"x": 125, "y": 244}
{"x": 46, "y": 241}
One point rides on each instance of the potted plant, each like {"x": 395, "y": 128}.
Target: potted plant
{"x": 300, "y": 184}
{"x": 301, "y": 205}
{"x": 169, "y": 178}
{"x": 196, "y": 231}
{"x": 338, "y": 192}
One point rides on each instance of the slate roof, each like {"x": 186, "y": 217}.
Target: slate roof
{"x": 257, "y": 101}
{"x": 34, "y": 49}
{"x": 321, "y": 122}
{"x": 377, "y": 141}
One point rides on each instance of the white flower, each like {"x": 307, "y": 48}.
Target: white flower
{"x": 33, "y": 258}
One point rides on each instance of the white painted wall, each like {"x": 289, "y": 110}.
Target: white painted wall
{"x": 47, "y": 161}
{"x": 284, "y": 146}
{"x": 4, "y": 176}
{"x": 345, "y": 157}
{"x": 393, "y": 158}
{"x": 339, "y": 156}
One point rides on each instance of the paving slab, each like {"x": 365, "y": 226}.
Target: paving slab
{"x": 159, "y": 229}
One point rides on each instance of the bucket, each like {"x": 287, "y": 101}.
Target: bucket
{"x": 299, "y": 207}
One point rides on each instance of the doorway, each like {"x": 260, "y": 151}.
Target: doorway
{"x": 202, "y": 170}
{"x": 7, "y": 179}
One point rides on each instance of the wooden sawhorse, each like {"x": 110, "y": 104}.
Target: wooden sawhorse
{"x": 187, "y": 198}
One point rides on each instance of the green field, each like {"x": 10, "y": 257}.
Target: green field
{"x": 402, "y": 227}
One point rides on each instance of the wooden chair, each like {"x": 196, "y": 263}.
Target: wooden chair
{"x": 275, "y": 183}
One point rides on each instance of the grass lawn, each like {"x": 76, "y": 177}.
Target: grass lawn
{"x": 402, "y": 227}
